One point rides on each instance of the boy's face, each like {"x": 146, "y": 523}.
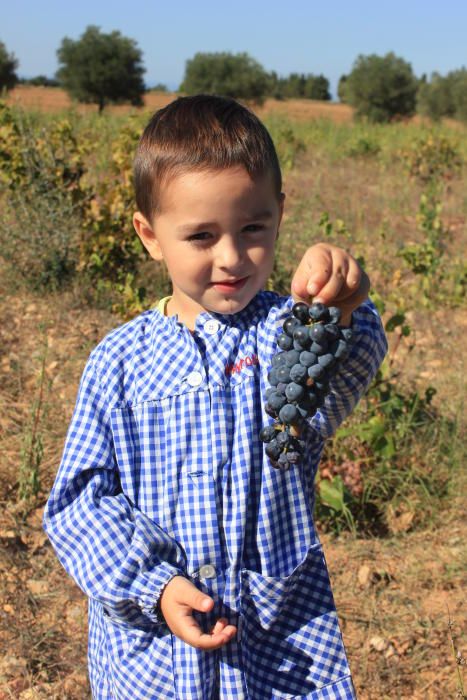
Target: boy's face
{"x": 216, "y": 231}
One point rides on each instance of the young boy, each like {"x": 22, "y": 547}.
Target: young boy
{"x": 203, "y": 569}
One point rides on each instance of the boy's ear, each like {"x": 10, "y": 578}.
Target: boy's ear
{"x": 281, "y": 208}
{"x": 146, "y": 233}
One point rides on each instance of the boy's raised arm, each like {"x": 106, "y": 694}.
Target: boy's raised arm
{"x": 115, "y": 553}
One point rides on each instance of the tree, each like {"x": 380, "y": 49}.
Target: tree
{"x": 381, "y": 87}
{"x": 444, "y": 96}
{"x": 435, "y": 98}
{"x": 342, "y": 89}
{"x": 8, "y": 66}
{"x": 101, "y": 68}
{"x": 232, "y": 75}
{"x": 316, "y": 87}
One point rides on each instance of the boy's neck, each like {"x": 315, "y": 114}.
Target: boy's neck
{"x": 187, "y": 314}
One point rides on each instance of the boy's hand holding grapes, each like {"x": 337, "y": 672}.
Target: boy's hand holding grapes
{"x": 329, "y": 275}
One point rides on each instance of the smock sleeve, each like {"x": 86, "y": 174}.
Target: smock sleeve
{"x": 369, "y": 347}
{"x": 115, "y": 553}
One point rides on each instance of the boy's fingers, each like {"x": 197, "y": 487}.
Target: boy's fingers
{"x": 190, "y": 596}
{"x": 213, "y": 641}
{"x": 312, "y": 273}
{"x": 331, "y": 290}
{"x": 220, "y": 625}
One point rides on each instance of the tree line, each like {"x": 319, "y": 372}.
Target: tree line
{"x": 108, "y": 68}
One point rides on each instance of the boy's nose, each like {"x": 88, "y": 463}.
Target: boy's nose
{"x": 230, "y": 256}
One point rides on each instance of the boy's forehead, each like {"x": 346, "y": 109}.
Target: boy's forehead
{"x": 208, "y": 182}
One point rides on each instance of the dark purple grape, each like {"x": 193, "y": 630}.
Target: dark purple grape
{"x": 334, "y": 314}
{"x": 308, "y": 358}
{"x": 300, "y": 335}
{"x": 273, "y": 450}
{"x": 297, "y": 346}
{"x": 283, "y": 462}
{"x": 267, "y": 433}
{"x": 272, "y": 377}
{"x": 276, "y": 401}
{"x": 300, "y": 311}
{"x": 293, "y": 457}
{"x": 294, "y": 391}
{"x": 318, "y": 312}
{"x": 283, "y": 374}
{"x": 289, "y": 325}
{"x": 319, "y": 348}
{"x": 316, "y": 371}
{"x": 347, "y": 334}
{"x": 342, "y": 350}
{"x": 326, "y": 361}
{"x": 285, "y": 342}
{"x": 288, "y": 414}
{"x": 278, "y": 359}
{"x": 270, "y": 411}
{"x": 292, "y": 357}
{"x": 281, "y": 387}
{"x": 317, "y": 333}
{"x": 298, "y": 373}
{"x": 270, "y": 390}
{"x": 283, "y": 438}
{"x": 332, "y": 331}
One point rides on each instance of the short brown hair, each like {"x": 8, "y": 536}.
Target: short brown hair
{"x": 202, "y": 132}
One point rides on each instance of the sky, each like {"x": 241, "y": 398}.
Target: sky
{"x": 303, "y": 36}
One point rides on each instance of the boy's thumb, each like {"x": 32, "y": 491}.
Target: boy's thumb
{"x": 201, "y": 602}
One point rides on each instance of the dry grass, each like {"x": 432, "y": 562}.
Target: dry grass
{"x": 54, "y": 99}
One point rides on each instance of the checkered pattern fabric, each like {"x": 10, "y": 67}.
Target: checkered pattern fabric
{"x": 163, "y": 473}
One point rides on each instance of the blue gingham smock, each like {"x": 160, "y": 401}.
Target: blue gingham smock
{"x": 163, "y": 473}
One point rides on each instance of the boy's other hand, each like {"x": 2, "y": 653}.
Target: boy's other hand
{"x": 179, "y": 598}
{"x": 329, "y": 275}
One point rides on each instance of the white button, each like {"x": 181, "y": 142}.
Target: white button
{"x": 194, "y": 378}
{"x": 211, "y": 326}
{"x": 207, "y": 571}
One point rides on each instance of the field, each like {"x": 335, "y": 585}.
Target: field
{"x": 394, "y": 196}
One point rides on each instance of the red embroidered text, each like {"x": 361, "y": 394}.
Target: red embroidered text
{"x": 244, "y": 362}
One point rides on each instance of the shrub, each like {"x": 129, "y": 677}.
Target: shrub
{"x": 41, "y": 173}
{"x": 432, "y": 157}
{"x": 381, "y": 87}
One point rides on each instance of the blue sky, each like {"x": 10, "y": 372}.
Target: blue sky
{"x": 306, "y": 36}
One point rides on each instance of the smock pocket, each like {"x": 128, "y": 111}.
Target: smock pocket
{"x": 140, "y": 660}
{"x": 291, "y": 642}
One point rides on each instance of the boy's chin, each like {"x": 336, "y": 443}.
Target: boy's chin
{"x": 228, "y": 307}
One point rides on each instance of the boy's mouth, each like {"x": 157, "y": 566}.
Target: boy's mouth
{"x": 229, "y": 285}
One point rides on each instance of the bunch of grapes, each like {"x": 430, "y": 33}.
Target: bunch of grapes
{"x": 312, "y": 345}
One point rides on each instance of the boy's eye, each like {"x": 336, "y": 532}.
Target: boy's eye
{"x": 253, "y": 227}
{"x": 200, "y": 236}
